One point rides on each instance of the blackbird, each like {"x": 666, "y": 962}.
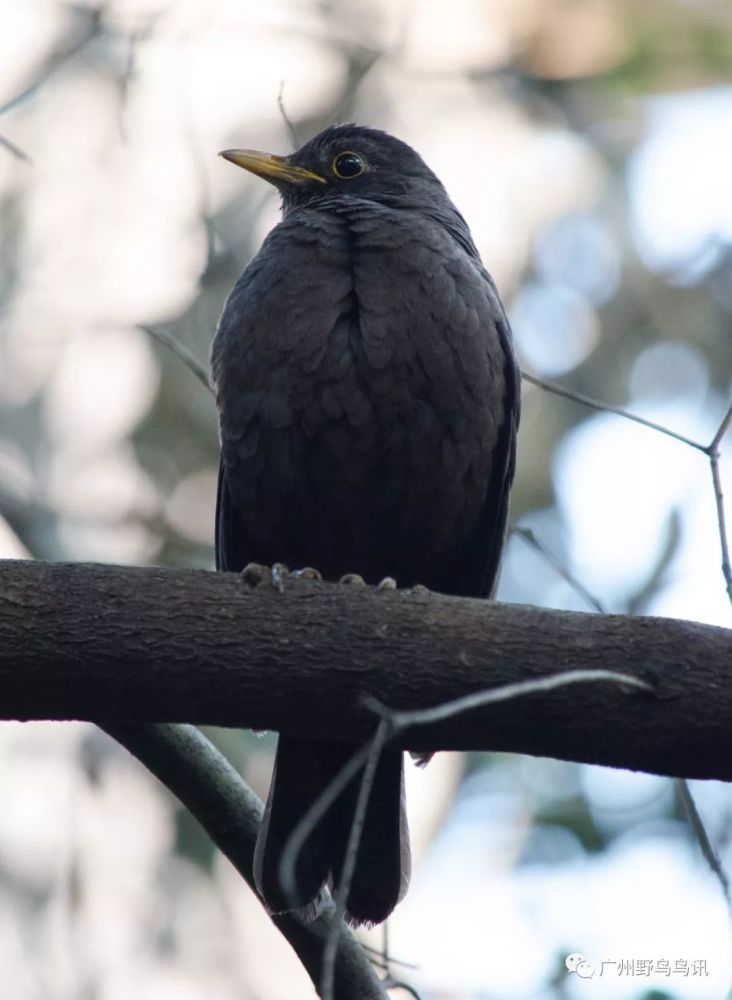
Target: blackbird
{"x": 368, "y": 398}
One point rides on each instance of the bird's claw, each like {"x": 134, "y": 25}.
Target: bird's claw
{"x": 351, "y": 579}
{"x": 307, "y": 573}
{"x": 255, "y": 573}
{"x": 279, "y": 572}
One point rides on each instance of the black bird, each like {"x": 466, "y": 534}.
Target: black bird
{"x": 369, "y": 399}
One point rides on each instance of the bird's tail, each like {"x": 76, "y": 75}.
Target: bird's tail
{"x": 303, "y": 768}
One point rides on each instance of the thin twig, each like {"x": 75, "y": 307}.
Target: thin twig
{"x": 507, "y": 692}
{"x": 702, "y": 837}
{"x": 595, "y": 404}
{"x": 285, "y": 117}
{"x": 397, "y": 984}
{"x": 58, "y": 57}
{"x": 713, "y": 451}
{"x": 638, "y": 599}
{"x": 163, "y": 337}
{"x": 529, "y": 536}
{"x": 385, "y": 947}
{"x": 361, "y": 60}
{"x": 379, "y": 956}
{"x": 375, "y": 957}
{"x": 330, "y": 951}
{"x": 16, "y": 151}
{"x": 714, "y": 444}
{"x": 312, "y": 817}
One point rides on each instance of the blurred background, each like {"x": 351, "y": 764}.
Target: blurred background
{"x": 589, "y": 145}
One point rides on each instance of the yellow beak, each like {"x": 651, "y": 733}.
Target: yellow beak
{"x": 274, "y": 169}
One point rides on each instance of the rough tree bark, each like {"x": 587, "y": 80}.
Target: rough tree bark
{"x": 151, "y": 645}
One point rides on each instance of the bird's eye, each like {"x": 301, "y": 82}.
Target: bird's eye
{"x": 348, "y": 165}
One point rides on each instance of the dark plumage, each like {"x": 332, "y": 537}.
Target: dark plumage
{"x": 369, "y": 399}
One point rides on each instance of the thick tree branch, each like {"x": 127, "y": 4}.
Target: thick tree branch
{"x": 153, "y": 645}
{"x": 204, "y": 781}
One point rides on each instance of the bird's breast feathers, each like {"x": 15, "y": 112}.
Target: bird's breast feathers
{"x": 360, "y": 357}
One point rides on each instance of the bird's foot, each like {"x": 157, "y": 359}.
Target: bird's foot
{"x": 351, "y": 579}
{"x": 254, "y": 574}
{"x": 307, "y": 573}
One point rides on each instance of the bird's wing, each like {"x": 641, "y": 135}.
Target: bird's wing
{"x": 495, "y": 510}
{"x": 243, "y": 361}
{"x": 477, "y": 575}
{"x": 479, "y": 567}
{"x": 235, "y": 337}
{"x": 233, "y": 548}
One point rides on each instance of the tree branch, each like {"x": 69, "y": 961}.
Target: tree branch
{"x": 155, "y": 645}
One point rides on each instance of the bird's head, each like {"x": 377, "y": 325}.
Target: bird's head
{"x": 345, "y": 161}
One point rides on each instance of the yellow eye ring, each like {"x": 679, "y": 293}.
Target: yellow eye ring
{"x": 348, "y": 164}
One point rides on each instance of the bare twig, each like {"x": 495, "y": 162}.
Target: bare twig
{"x": 638, "y": 600}
{"x": 595, "y": 404}
{"x": 93, "y": 27}
{"x": 724, "y": 426}
{"x": 530, "y": 537}
{"x": 422, "y": 717}
{"x": 397, "y": 984}
{"x": 385, "y": 949}
{"x": 702, "y": 837}
{"x": 386, "y": 961}
{"x": 381, "y": 956}
{"x": 16, "y": 151}
{"x": 330, "y": 951}
{"x": 163, "y": 337}
{"x": 712, "y": 451}
{"x": 312, "y": 817}
{"x": 285, "y": 117}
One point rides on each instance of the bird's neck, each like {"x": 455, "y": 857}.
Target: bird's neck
{"x": 352, "y": 210}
